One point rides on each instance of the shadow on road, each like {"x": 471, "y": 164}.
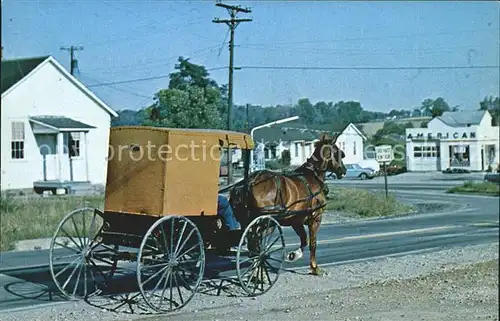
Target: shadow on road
{"x": 122, "y": 294}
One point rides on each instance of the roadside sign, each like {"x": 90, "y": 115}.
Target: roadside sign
{"x": 384, "y": 153}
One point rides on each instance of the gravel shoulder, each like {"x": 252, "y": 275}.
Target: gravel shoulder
{"x": 452, "y": 284}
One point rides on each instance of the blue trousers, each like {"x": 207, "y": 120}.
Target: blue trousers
{"x": 225, "y": 211}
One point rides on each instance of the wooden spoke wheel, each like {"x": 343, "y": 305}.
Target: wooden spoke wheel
{"x": 80, "y": 265}
{"x": 170, "y": 263}
{"x": 260, "y": 255}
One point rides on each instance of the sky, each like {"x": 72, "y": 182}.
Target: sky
{"x": 138, "y": 42}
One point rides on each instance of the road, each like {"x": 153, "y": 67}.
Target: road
{"x": 470, "y": 220}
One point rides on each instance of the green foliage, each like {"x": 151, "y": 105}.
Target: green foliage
{"x": 493, "y": 106}
{"x": 192, "y": 100}
{"x": 435, "y": 107}
{"x": 201, "y": 102}
{"x": 365, "y": 203}
{"x": 481, "y": 188}
{"x": 43, "y": 215}
{"x": 193, "y": 107}
{"x": 286, "y": 158}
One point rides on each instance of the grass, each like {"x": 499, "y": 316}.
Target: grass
{"x": 480, "y": 188}
{"x": 364, "y": 203}
{"x": 31, "y": 218}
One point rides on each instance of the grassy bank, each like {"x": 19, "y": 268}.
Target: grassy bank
{"x": 31, "y": 218}
{"x": 365, "y": 203}
{"x": 481, "y": 188}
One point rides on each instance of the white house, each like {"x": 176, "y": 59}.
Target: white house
{"x": 463, "y": 139}
{"x": 300, "y": 142}
{"x": 54, "y": 130}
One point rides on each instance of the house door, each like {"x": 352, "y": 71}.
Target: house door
{"x": 47, "y": 145}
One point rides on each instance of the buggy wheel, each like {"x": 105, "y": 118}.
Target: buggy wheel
{"x": 170, "y": 263}
{"x": 260, "y": 255}
{"x": 79, "y": 264}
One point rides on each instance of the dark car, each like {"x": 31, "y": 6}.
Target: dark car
{"x": 492, "y": 177}
{"x": 456, "y": 171}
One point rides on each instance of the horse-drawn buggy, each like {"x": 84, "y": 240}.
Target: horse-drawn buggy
{"x": 160, "y": 213}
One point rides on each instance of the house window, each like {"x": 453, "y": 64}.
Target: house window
{"x": 354, "y": 148}
{"x": 426, "y": 151}
{"x": 17, "y": 142}
{"x": 74, "y": 144}
{"x": 296, "y": 149}
{"x": 459, "y": 155}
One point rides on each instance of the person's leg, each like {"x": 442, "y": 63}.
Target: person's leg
{"x": 224, "y": 209}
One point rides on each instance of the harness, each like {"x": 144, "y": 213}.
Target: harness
{"x": 280, "y": 209}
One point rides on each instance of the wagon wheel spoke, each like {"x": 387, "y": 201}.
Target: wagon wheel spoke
{"x": 72, "y": 249}
{"x": 65, "y": 270}
{"x": 182, "y": 252}
{"x": 258, "y": 272}
{"x": 71, "y": 238}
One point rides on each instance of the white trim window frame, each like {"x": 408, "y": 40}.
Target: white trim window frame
{"x": 17, "y": 141}
{"x": 75, "y": 144}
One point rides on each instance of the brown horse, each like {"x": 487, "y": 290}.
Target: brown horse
{"x": 301, "y": 193}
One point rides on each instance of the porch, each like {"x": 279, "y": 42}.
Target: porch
{"x": 62, "y": 143}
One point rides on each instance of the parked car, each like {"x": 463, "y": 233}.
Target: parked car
{"x": 393, "y": 170}
{"x": 355, "y": 171}
{"x": 492, "y": 177}
{"x": 456, "y": 171}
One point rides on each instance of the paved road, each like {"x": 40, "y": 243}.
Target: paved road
{"x": 471, "y": 220}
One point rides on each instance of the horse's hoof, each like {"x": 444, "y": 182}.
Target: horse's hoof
{"x": 316, "y": 271}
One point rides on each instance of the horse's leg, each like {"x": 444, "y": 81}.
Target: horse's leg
{"x": 301, "y": 232}
{"x": 314, "y": 225}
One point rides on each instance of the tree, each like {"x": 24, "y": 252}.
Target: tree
{"x": 492, "y": 105}
{"x": 435, "y": 107}
{"x": 190, "y": 108}
{"x": 190, "y": 74}
{"x": 192, "y": 100}
{"x": 285, "y": 158}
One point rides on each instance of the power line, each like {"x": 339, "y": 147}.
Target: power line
{"x": 367, "y": 68}
{"x": 377, "y": 37}
{"x": 140, "y": 79}
{"x": 305, "y": 68}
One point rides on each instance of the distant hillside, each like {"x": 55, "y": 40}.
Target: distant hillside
{"x": 371, "y": 128}
{"x": 127, "y": 117}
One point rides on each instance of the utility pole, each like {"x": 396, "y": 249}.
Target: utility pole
{"x": 232, "y": 23}
{"x": 73, "y": 62}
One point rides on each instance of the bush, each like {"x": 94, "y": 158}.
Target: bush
{"x": 365, "y": 203}
{"x": 286, "y": 158}
{"x": 481, "y": 188}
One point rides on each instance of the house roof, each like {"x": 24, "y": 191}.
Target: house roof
{"x": 59, "y": 123}
{"x": 287, "y": 134}
{"x": 356, "y": 129}
{"x": 15, "y": 71}
{"x": 295, "y": 133}
{"x": 462, "y": 118}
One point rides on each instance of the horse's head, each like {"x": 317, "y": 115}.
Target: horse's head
{"x": 327, "y": 157}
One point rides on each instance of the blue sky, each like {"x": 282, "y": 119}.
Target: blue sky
{"x": 126, "y": 40}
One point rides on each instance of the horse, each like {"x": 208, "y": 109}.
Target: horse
{"x": 300, "y": 195}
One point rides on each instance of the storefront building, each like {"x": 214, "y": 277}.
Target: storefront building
{"x": 464, "y": 139}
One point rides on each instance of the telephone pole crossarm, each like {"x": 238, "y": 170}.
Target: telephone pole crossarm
{"x": 72, "y": 50}
{"x": 231, "y": 21}
{"x": 235, "y": 8}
